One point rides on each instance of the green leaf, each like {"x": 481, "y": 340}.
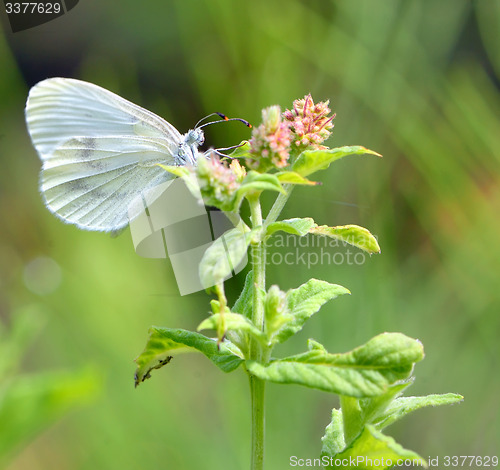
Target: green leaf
{"x": 276, "y": 313}
{"x": 234, "y": 331}
{"x": 372, "y": 450}
{"x": 215, "y": 306}
{"x": 359, "y": 412}
{"x": 402, "y": 406}
{"x": 312, "y": 345}
{"x": 26, "y": 323}
{"x": 352, "y": 417}
{"x": 244, "y": 303}
{"x": 243, "y": 151}
{"x": 188, "y": 177}
{"x": 244, "y": 306}
{"x": 224, "y": 255}
{"x": 354, "y": 235}
{"x": 180, "y": 171}
{"x": 371, "y": 408}
{"x": 296, "y": 226}
{"x": 311, "y": 161}
{"x": 164, "y": 342}
{"x": 233, "y": 321}
{"x": 364, "y": 372}
{"x": 333, "y": 440}
{"x": 304, "y": 302}
{"x": 256, "y": 182}
{"x": 292, "y": 177}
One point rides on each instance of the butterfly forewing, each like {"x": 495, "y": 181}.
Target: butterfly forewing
{"x": 99, "y": 151}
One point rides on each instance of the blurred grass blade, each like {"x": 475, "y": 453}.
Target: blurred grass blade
{"x": 28, "y": 404}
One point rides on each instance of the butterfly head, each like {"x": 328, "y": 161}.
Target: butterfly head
{"x": 188, "y": 148}
{"x": 194, "y": 137}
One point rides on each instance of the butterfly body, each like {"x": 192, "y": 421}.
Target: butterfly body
{"x": 188, "y": 148}
{"x": 100, "y": 152}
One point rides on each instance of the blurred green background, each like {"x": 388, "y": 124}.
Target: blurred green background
{"x": 416, "y": 80}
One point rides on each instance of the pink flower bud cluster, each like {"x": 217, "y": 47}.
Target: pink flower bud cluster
{"x": 270, "y": 142}
{"x": 305, "y": 126}
{"x": 309, "y": 123}
{"x": 217, "y": 181}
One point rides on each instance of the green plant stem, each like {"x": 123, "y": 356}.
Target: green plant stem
{"x": 257, "y": 389}
{"x": 259, "y": 267}
{"x": 257, "y": 386}
{"x": 221, "y": 327}
{"x": 279, "y": 204}
{"x": 234, "y": 218}
{"x": 257, "y": 352}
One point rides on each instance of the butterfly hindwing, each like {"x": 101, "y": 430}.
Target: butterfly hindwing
{"x": 92, "y": 183}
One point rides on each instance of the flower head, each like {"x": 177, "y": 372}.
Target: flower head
{"x": 217, "y": 181}
{"x": 270, "y": 142}
{"x": 309, "y": 122}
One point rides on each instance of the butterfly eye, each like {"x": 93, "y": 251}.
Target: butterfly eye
{"x": 201, "y": 137}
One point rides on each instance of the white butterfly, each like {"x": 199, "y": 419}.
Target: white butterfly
{"x": 99, "y": 151}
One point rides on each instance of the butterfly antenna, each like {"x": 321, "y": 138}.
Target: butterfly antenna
{"x": 224, "y": 119}
{"x": 206, "y": 117}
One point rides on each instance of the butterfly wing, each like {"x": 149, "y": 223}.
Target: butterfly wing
{"x": 99, "y": 151}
